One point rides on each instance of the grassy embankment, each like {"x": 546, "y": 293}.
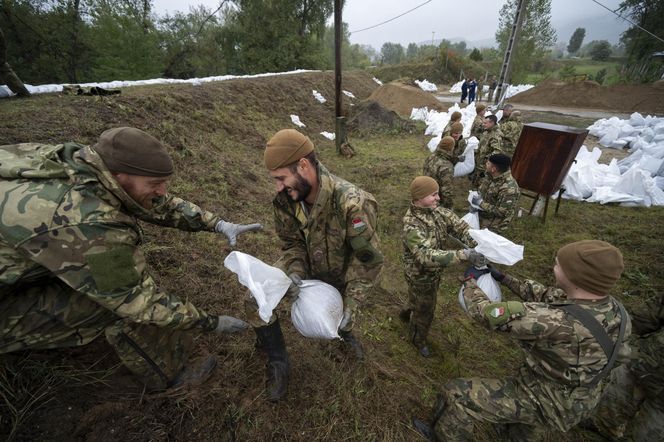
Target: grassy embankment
{"x": 217, "y": 132}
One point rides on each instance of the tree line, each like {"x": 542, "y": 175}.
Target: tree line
{"x": 74, "y": 41}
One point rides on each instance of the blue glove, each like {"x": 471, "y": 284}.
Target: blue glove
{"x": 496, "y": 274}
{"x": 474, "y": 272}
{"x": 476, "y": 200}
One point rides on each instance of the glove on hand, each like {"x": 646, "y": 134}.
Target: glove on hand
{"x": 476, "y": 200}
{"x": 232, "y": 231}
{"x": 461, "y": 158}
{"x": 294, "y": 289}
{"x": 496, "y": 274}
{"x": 475, "y": 258}
{"x": 346, "y": 318}
{"x": 474, "y": 272}
{"x": 472, "y": 209}
{"x": 229, "y": 324}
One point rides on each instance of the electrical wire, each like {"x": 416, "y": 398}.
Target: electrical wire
{"x": 628, "y": 20}
{"x": 393, "y": 18}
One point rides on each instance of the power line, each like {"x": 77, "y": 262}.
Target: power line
{"x": 627, "y": 20}
{"x": 393, "y": 18}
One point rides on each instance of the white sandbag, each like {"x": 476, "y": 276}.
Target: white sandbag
{"x": 318, "y": 310}
{"x": 466, "y": 166}
{"x": 433, "y": 143}
{"x": 472, "y": 219}
{"x": 266, "y": 283}
{"x": 489, "y": 286}
{"x": 496, "y": 248}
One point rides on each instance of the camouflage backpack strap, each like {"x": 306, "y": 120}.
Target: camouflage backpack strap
{"x": 595, "y": 328}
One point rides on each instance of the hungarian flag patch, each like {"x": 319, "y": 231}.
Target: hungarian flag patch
{"x": 358, "y": 223}
{"x": 497, "y": 312}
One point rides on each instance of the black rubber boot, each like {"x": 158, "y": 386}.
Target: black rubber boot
{"x": 196, "y": 372}
{"x": 271, "y": 341}
{"x": 354, "y": 344}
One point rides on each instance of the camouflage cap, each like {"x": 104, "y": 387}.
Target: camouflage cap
{"x": 286, "y": 147}
{"x": 592, "y": 265}
{"x": 456, "y": 115}
{"x": 132, "y": 151}
{"x": 479, "y": 108}
{"x": 446, "y": 143}
{"x": 456, "y": 128}
{"x": 422, "y": 186}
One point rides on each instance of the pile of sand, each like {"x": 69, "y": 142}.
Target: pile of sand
{"x": 369, "y": 117}
{"x": 643, "y": 98}
{"x": 402, "y": 98}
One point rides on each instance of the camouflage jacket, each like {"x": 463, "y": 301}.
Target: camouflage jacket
{"x": 500, "y": 200}
{"x": 511, "y": 131}
{"x": 558, "y": 347}
{"x": 425, "y": 232}
{"x": 477, "y": 128}
{"x": 448, "y": 129}
{"x": 80, "y": 226}
{"x": 335, "y": 240}
{"x": 459, "y": 148}
{"x": 648, "y": 343}
{"x": 439, "y": 166}
{"x": 490, "y": 143}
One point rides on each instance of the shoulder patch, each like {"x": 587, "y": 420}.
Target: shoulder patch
{"x": 500, "y": 313}
{"x": 113, "y": 268}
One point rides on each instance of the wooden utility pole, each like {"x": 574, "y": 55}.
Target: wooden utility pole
{"x": 506, "y": 69}
{"x": 340, "y": 121}
{"x": 7, "y": 74}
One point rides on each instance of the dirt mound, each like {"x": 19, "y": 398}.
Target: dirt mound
{"x": 643, "y": 98}
{"x": 370, "y": 117}
{"x": 401, "y": 98}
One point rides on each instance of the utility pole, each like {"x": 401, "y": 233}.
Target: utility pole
{"x": 506, "y": 69}
{"x": 340, "y": 121}
{"x": 432, "y": 34}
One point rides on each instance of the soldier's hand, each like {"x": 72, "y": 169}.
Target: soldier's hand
{"x": 346, "y": 318}
{"x": 294, "y": 289}
{"x": 229, "y": 324}
{"x": 496, "y": 274}
{"x": 461, "y": 158}
{"x": 473, "y": 209}
{"x": 476, "y": 200}
{"x": 232, "y": 231}
{"x": 474, "y": 272}
{"x": 475, "y": 258}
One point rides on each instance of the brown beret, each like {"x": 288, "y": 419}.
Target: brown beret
{"x": 286, "y": 147}
{"x": 422, "y": 186}
{"x": 446, "y": 143}
{"x": 479, "y": 108}
{"x": 130, "y": 150}
{"x": 456, "y": 115}
{"x": 456, "y": 128}
{"x": 592, "y": 265}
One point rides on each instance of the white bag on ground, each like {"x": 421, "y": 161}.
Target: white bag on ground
{"x": 266, "y": 283}
{"x": 496, "y": 248}
{"x": 318, "y": 310}
{"x": 488, "y": 285}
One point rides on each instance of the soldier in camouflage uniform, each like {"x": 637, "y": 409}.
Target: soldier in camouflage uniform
{"x": 511, "y": 130}
{"x": 507, "y": 112}
{"x": 328, "y": 231}
{"x": 490, "y": 144}
{"x": 460, "y": 143}
{"x": 439, "y": 166}
{"x": 426, "y": 227}
{"x": 454, "y": 118}
{"x": 478, "y": 123}
{"x": 499, "y": 194}
{"x": 70, "y": 264}
{"x": 633, "y": 404}
{"x": 566, "y": 364}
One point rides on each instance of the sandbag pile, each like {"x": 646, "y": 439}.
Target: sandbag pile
{"x": 426, "y": 86}
{"x": 511, "y": 89}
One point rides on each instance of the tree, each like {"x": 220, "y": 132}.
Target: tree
{"x": 391, "y": 53}
{"x": 601, "y": 50}
{"x": 536, "y": 36}
{"x": 576, "y": 40}
{"x": 475, "y": 55}
{"x": 411, "y": 51}
{"x": 648, "y": 14}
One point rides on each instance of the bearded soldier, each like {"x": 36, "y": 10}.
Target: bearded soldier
{"x": 572, "y": 335}
{"x": 328, "y": 231}
{"x": 425, "y": 230}
{"x": 70, "y": 264}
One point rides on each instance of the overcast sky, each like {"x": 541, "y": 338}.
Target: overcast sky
{"x": 448, "y": 19}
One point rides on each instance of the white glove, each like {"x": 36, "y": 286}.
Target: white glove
{"x": 233, "y": 230}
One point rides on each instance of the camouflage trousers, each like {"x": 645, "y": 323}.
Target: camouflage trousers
{"x": 525, "y": 406}
{"x": 631, "y": 408}
{"x": 52, "y": 315}
{"x": 422, "y": 297}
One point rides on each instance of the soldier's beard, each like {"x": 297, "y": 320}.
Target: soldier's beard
{"x": 301, "y": 186}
